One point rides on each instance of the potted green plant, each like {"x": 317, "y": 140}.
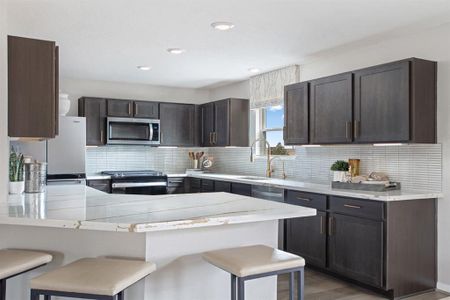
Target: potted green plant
{"x": 16, "y": 181}
{"x": 340, "y": 169}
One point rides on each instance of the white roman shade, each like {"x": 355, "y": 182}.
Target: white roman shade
{"x": 267, "y": 89}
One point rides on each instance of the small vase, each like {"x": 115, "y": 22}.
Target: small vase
{"x": 16, "y": 187}
{"x": 64, "y": 104}
{"x": 339, "y": 176}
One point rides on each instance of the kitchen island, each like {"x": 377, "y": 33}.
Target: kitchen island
{"x": 170, "y": 230}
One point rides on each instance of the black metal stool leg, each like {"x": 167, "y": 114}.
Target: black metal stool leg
{"x": 241, "y": 289}
{"x": 120, "y": 296}
{"x": 3, "y": 289}
{"x": 233, "y": 287}
{"x": 301, "y": 284}
{"x": 291, "y": 285}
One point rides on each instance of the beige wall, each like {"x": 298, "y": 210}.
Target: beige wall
{"x": 239, "y": 89}
{"x": 94, "y": 88}
{"x": 4, "y": 143}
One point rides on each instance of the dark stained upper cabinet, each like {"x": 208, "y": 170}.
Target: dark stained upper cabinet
{"x": 177, "y": 124}
{"x": 32, "y": 88}
{"x": 119, "y": 108}
{"x": 146, "y": 109}
{"x": 396, "y": 102}
{"x": 226, "y": 123}
{"x": 94, "y": 109}
{"x": 296, "y": 107}
{"x": 331, "y": 103}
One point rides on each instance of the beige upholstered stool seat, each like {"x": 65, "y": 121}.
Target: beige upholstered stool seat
{"x": 14, "y": 262}
{"x": 97, "y": 276}
{"x": 252, "y": 260}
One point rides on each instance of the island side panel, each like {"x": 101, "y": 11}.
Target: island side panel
{"x": 182, "y": 273}
{"x": 67, "y": 245}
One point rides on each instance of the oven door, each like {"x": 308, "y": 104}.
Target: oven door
{"x": 133, "y": 131}
{"x": 143, "y": 186}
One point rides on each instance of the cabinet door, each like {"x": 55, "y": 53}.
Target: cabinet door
{"x": 296, "y": 108}
{"x": 239, "y": 122}
{"x": 177, "y": 124}
{"x": 382, "y": 103}
{"x": 94, "y": 109}
{"x": 146, "y": 109}
{"x": 221, "y": 135}
{"x": 356, "y": 248}
{"x": 207, "y": 186}
{"x": 331, "y": 110}
{"x": 307, "y": 237}
{"x": 32, "y": 88}
{"x": 120, "y": 108}
{"x": 222, "y": 186}
{"x": 241, "y": 189}
{"x": 207, "y": 124}
{"x": 194, "y": 185}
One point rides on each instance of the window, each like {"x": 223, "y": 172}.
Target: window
{"x": 268, "y": 124}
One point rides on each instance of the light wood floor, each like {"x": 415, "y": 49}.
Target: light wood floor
{"x": 319, "y": 286}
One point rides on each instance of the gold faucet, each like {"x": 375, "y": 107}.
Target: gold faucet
{"x": 252, "y": 159}
{"x": 283, "y": 172}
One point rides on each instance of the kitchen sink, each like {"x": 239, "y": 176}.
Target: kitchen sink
{"x": 255, "y": 178}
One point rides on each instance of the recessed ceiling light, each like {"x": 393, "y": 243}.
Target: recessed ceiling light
{"x": 222, "y": 25}
{"x": 176, "y": 50}
{"x": 144, "y": 68}
{"x": 253, "y": 70}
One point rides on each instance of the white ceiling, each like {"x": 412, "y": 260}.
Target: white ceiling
{"x": 107, "y": 39}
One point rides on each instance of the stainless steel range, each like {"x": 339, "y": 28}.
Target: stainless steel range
{"x": 138, "y": 182}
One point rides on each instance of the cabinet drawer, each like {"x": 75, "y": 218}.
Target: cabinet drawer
{"x": 355, "y": 207}
{"x": 316, "y": 201}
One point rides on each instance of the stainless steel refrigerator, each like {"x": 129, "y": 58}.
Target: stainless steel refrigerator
{"x": 65, "y": 154}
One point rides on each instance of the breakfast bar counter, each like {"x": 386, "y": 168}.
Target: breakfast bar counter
{"x": 171, "y": 230}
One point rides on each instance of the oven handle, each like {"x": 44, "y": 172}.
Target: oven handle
{"x": 138, "y": 184}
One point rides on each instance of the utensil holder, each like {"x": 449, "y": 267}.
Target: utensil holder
{"x": 195, "y": 164}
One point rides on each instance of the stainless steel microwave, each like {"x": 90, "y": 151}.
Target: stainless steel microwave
{"x": 133, "y": 131}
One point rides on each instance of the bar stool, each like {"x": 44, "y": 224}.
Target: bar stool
{"x": 91, "y": 278}
{"x": 16, "y": 262}
{"x": 251, "y": 262}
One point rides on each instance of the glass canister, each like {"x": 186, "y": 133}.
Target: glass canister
{"x": 35, "y": 177}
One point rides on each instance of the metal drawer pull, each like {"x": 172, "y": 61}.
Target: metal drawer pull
{"x": 304, "y": 199}
{"x": 129, "y": 109}
{"x": 352, "y": 206}
{"x": 330, "y": 226}
{"x": 321, "y": 224}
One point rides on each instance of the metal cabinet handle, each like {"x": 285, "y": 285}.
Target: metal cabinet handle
{"x": 330, "y": 226}
{"x": 357, "y": 127}
{"x": 322, "y": 219}
{"x": 135, "y": 108}
{"x": 352, "y": 206}
{"x": 304, "y": 199}
{"x": 348, "y": 130}
{"x": 129, "y": 109}
{"x": 161, "y": 136}
{"x": 210, "y": 138}
{"x": 101, "y": 135}
{"x": 215, "y": 138}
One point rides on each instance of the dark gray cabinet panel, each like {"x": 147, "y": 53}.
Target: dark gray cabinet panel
{"x": 176, "y": 185}
{"x": 194, "y": 185}
{"x": 331, "y": 109}
{"x": 207, "y": 186}
{"x": 312, "y": 200}
{"x": 296, "y": 112}
{"x": 356, "y": 248}
{"x": 177, "y": 124}
{"x": 119, "y": 108}
{"x": 94, "y": 109}
{"x": 221, "y": 136}
{"x": 103, "y": 185}
{"x": 222, "y": 186}
{"x": 239, "y": 125}
{"x": 307, "y": 237}
{"x": 32, "y": 88}
{"x": 207, "y": 124}
{"x": 382, "y": 103}
{"x": 241, "y": 189}
{"x": 146, "y": 109}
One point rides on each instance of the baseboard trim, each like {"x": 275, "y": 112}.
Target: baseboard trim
{"x": 443, "y": 287}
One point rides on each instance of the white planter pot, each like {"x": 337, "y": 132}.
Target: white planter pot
{"x": 16, "y": 187}
{"x": 339, "y": 176}
{"x": 64, "y": 104}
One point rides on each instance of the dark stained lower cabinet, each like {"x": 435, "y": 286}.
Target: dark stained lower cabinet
{"x": 356, "y": 248}
{"x": 207, "y": 186}
{"x": 177, "y": 124}
{"x": 241, "y": 189}
{"x": 176, "y": 185}
{"x": 222, "y": 186}
{"x": 94, "y": 109}
{"x": 308, "y": 238}
{"x": 103, "y": 185}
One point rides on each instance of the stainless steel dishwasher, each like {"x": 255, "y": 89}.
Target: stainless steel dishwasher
{"x": 272, "y": 194}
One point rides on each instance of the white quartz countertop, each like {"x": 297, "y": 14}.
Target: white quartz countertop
{"x": 398, "y": 195}
{"x": 81, "y": 207}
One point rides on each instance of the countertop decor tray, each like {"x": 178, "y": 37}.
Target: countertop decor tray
{"x": 392, "y": 186}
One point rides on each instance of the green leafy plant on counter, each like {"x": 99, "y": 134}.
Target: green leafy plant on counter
{"x": 15, "y": 166}
{"x": 340, "y": 165}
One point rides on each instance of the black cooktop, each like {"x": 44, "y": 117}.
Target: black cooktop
{"x": 133, "y": 173}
